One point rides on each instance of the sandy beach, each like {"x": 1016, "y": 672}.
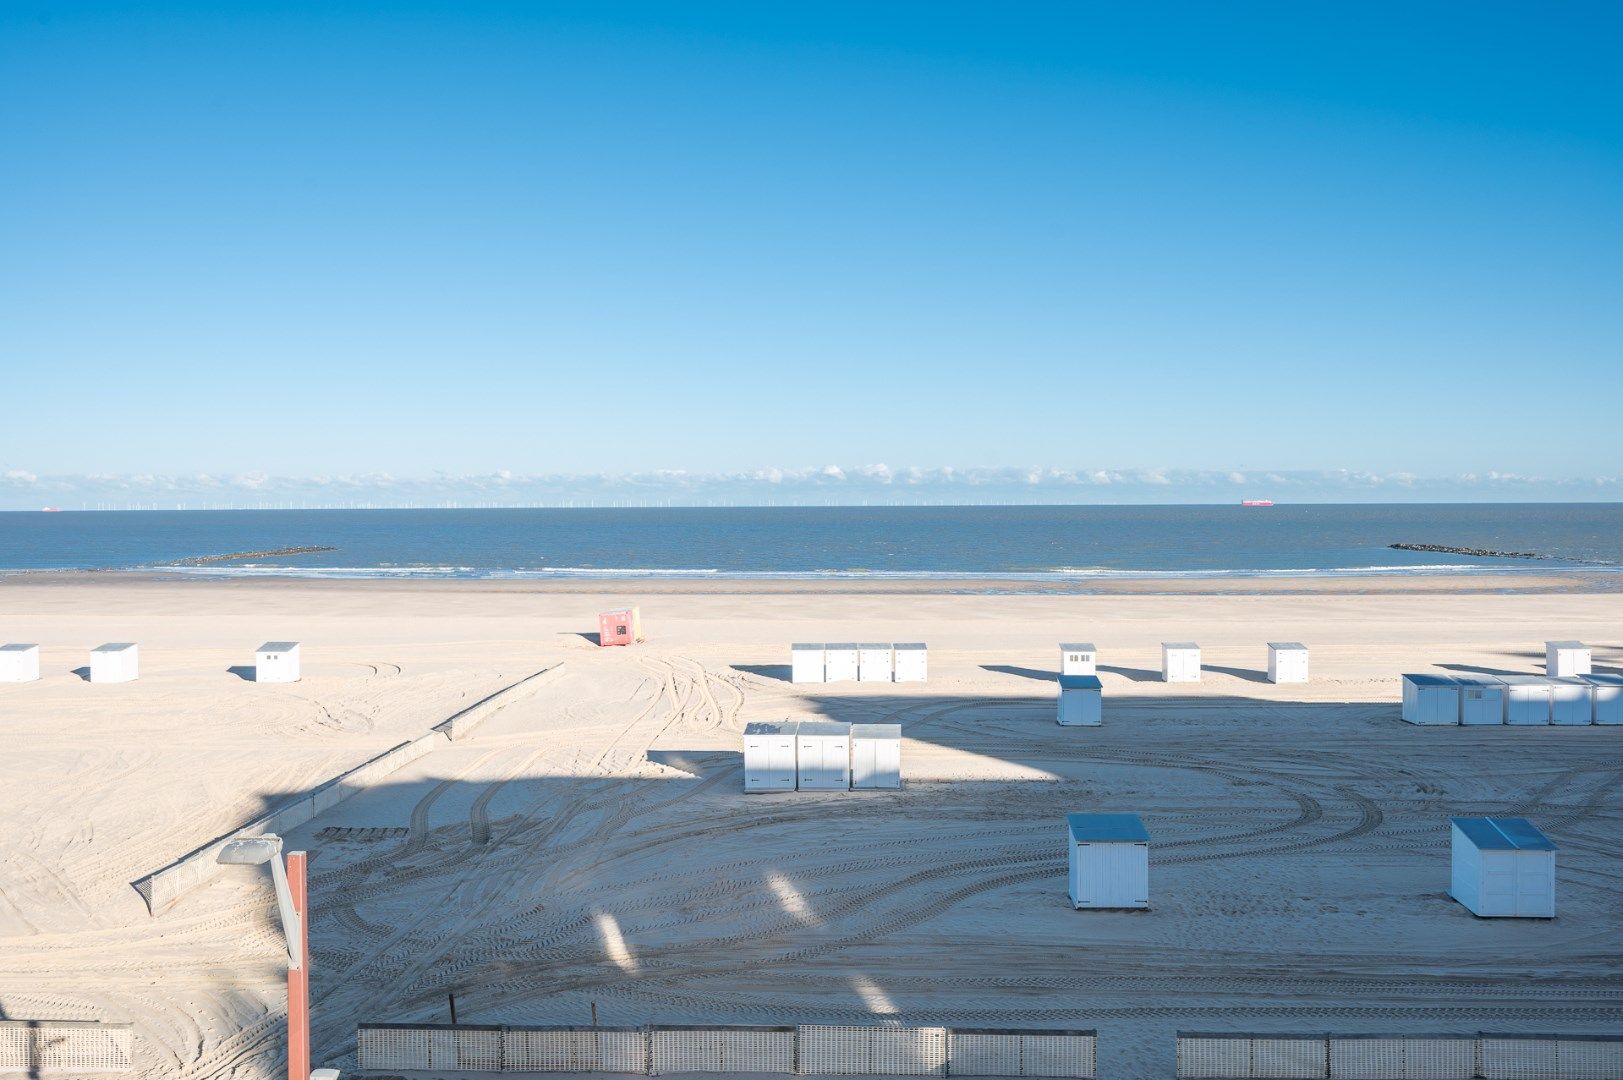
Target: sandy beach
{"x": 590, "y": 844}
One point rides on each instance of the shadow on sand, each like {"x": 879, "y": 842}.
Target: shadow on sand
{"x": 780, "y": 672}
{"x": 1478, "y": 669}
{"x": 404, "y": 847}
{"x": 1023, "y": 672}
{"x": 1136, "y": 674}
{"x": 1239, "y": 673}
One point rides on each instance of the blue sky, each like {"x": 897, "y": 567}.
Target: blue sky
{"x": 275, "y": 247}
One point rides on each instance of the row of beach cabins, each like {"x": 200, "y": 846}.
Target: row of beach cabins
{"x": 851, "y": 662}
{"x": 1568, "y": 694}
{"x": 821, "y": 755}
{"x": 120, "y": 662}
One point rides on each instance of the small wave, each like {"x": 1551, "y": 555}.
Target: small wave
{"x": 464, "y": 572}
{"x": 314, "y": 571}
{"x": 614, "y": 571}
{"x": 1290, "y": 571}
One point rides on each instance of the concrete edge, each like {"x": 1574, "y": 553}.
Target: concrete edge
{"x": 462, "y": 724}
{"x": 162, "y": 888}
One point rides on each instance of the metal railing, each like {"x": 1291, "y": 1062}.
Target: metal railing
{"x": 1242, "y": 1056}
{"x": 806, "y": 1050}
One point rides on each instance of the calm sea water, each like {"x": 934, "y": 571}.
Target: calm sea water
{"x": 1012, "y": 541}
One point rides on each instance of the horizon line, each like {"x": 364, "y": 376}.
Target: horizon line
{"x": 129, "y": 508}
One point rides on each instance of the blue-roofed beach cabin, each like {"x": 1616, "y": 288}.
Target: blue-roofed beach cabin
{"x": 1081, "y": 701}
{"x": 1572, "y": 702}
{"x": 1431, "y": 699}
{"x": 823, "y": 755}
{"x": 1503, "y": 868}
{"x": 1482, "y": 700}
{"x": 1527, "y": 700}
{"x": 1606, "y": 698}
{"x": 1109, "y": 860}
{"x": 769, "y": 756}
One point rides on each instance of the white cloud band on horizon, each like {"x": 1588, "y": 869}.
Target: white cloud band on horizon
{"x": 23, "y": 488}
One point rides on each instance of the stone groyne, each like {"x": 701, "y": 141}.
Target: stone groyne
{"x": 1486, "y": 553}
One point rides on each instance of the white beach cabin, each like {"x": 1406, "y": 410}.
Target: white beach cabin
{"x": 19, "y": 663}
{"x": 1180, "y": 661}
{"x": 1287, "y": 662}
{"x": 1527, "y": 700}
{"x": 1078, "y": 658}
{"x": 1503, "y": 868}
{"x": 1563, "y": 658}
{"x": 1572, "y": 702}
{"x": 1109, "y": 861}
{"x": 876, "y": 756}
{"x": 805, "y": 663}
{"x": 277, "y": 661}
{"x": 1081, "y": 701}
{"x": 1482, "y": 700}
{"x": 840, "y": 663}
{"x": 912, "y": 662}
{"x": 1606, "y": 698}
{"x": 769, "y": 756}
{"x": 874, "y": 662}
{"x": 118, "y": 661}
{"x": 823, "y": 756}
{"x": 1431, "y": 699}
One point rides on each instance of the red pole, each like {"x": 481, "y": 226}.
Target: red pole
{"x": 298, "y": 978}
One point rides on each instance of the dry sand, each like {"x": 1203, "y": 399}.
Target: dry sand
{"x": 591, "y": 843}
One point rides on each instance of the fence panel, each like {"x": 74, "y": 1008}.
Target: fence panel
{"x": 442, "y": 1052}
{"x": 894, "y": 1051}
{"x": 566, "y": 1049}
{"x": 1505, "y": 1058}
{"x": 1022, "y": 1053}
{"x": 478, "y": 1050}
{"x": 1074, "y": 1055}
{"x": 721, "y": 1050}
{"x": 1399, "y": 1057}
{"x": 1285, "y": 1057}
{"x": 1213, "y": 1057}
{"x": 64, "y": 1046}
{"x": 1219, "y": 1056}
{"x": 1237, "y": 1056}
{"x": 392, "y": 1046}
{"x": 1439, "y": 1058}
{"x": 977, "y": 1053}
{"x": 1353, "y": 1058}
{"x": 1590, "y": 1059}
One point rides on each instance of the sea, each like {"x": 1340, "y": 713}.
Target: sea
{"x": 1061, "y": 543}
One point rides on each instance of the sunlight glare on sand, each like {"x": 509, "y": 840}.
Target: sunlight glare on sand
{"x": 614, "y": 942}
{"x": 791, "y": 898}
{"x": 877, "y": 1000}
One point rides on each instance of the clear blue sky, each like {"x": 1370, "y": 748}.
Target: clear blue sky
{"x": 343, "y": 238}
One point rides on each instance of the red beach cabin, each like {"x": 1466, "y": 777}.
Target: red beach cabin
{"x": 619, "y": 627}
